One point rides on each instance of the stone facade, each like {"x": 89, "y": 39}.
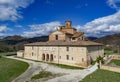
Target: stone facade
{"x": 65, "y": 46}
{"x": 20, "y": 53}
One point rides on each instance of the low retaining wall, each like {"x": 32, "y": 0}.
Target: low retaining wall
{"x": 115, "y": 69}
{"x": 116, "y": 57}
{"x": 110, "y": 68}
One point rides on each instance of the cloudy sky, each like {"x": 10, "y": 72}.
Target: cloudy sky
{"x": 32, "y": 18}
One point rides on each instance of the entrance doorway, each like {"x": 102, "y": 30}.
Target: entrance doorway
{"x": 47, "y": 57}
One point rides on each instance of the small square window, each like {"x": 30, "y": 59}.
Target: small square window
{"x": 67, "y": 48}
{"x": 32, "y": 53}
{"x": 82, "y": 59}
{"x": 60, "y": 57}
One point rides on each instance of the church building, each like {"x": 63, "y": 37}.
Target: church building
{"x": 65, "y": 46}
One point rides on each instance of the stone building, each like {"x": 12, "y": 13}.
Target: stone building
{"x": 65, "y": 46}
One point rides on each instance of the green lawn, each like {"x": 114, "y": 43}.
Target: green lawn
{"x": 108, "y": 52}
{"x": 10, "y": 69}
{"x": 117, "y": 62}
{"x": 102, "y": 76}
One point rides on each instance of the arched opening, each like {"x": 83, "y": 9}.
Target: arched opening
{"x": 47, "y": 57}
{"x": 43, "y": 56}
{"x": 51, "y": 57}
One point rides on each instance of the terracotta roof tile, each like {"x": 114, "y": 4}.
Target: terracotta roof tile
{"x": 77, "y": 34}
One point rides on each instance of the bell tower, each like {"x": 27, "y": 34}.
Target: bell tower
{"x": 68, "y": 23}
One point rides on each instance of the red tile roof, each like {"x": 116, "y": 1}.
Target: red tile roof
{"x": 77, "y": 34}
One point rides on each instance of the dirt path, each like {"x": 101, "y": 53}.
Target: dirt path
{"x": 70, "y": 75}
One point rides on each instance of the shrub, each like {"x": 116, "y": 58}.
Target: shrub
{"x": 100, "y": 59}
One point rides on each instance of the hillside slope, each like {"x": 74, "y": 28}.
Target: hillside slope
{"x": 110, "y": 39}
{"x": 111, "y": 42}
{"x": 15, "y": 43}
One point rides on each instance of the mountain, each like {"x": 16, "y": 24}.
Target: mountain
{"x": 15, "y": 43}
{"x": 111, "y": 41}
{"x": 15, "y": 37}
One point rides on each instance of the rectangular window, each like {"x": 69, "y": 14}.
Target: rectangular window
{"x": 67, "y": 48}
{"x": 82, "y": 59}
{"x": 67, "y": 57}
{"x": 32, "y": 54}
{"x": 72, "y": 58}
{"x": 56, "y": 37}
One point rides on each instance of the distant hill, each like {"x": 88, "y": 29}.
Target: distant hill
{"x": 15, "y": 37}
{"x": 111, "y": 41}
{"x": 15, "y": 43}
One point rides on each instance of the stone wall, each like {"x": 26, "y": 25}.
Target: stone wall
{"x": 77, "y": 55}
{"x": 61, "y": 36}
{"x": 115, "y": 69}
{"x": 115, "y": 57}
{"x": 110, "y": 68}
{"x": 69, "y": 30}
{"x": 95, "y": 51}
{"x": 20, "y": 53}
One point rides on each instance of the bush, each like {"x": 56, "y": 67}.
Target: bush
{"x": 115, "y": 51}
{"x": 100, "y": 59}
{"x": 0, "y": 56}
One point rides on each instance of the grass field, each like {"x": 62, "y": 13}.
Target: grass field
{"x": 10, "y": 69}
{"x": 117, "y": 62}
{"x": 108, "y": 52}
{"x": 102, "y": 76}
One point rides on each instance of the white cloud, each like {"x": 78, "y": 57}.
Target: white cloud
{"x": 41, "y": 29}
{"x": 4, "y": 28}
{"x": 114, "y": 4}
{"x": 10, "y": 9}
{"x": 102, "y": 26}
